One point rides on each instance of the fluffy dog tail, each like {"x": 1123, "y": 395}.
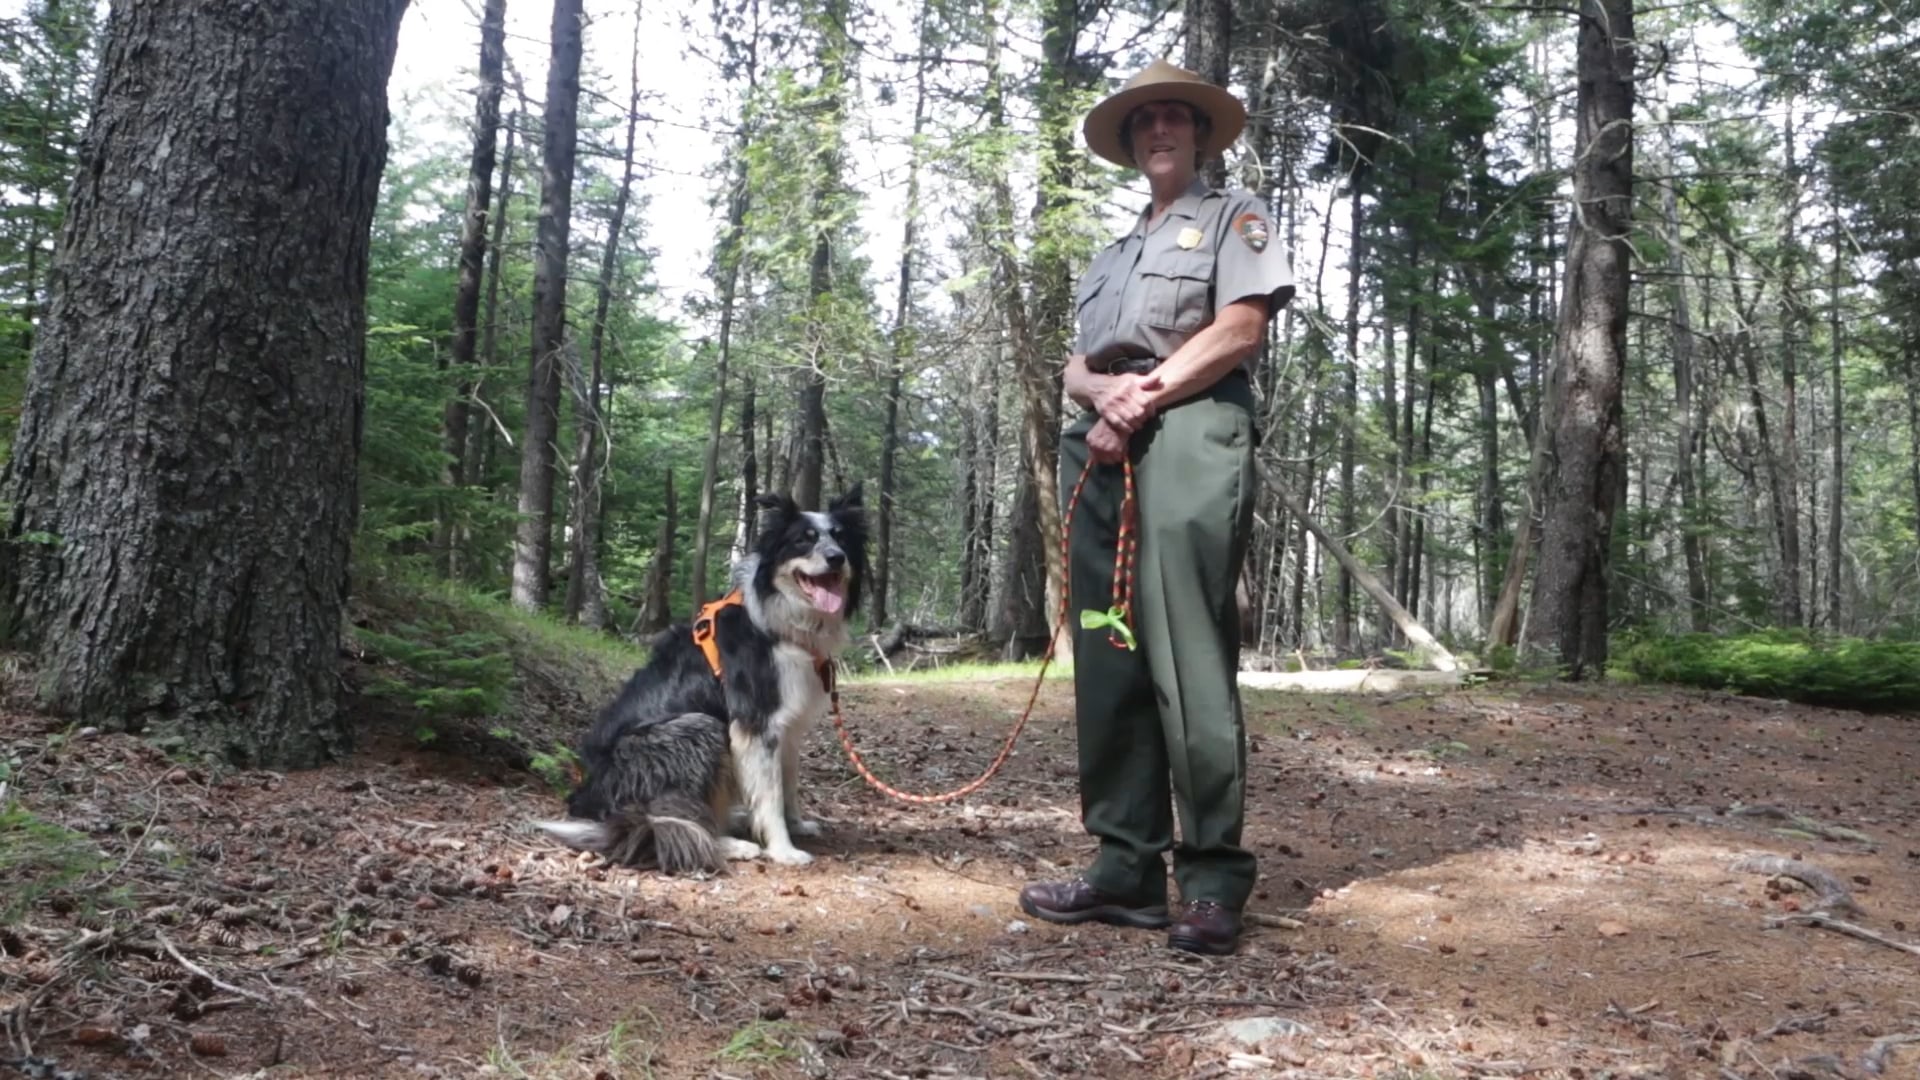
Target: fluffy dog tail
{"x": 649, "y": 798}
{"x": 672, "y": 832}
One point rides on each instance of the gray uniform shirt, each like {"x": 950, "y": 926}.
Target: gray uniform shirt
{"x": 1146, "y": 293}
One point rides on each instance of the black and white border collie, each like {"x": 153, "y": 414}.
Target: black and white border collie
{"x": 670, "y": 759}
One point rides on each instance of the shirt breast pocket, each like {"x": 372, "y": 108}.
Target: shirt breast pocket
{"x": 1176, "y": 291}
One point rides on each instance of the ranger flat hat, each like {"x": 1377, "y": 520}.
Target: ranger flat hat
{"x": 1162, "y": 81}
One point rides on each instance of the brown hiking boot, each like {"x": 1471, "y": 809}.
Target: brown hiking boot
{"x": 1206, "y": 927}
{"x": 1077, "y": 902}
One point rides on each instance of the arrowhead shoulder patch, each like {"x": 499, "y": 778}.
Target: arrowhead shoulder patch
{"x": 1252, "y": 228}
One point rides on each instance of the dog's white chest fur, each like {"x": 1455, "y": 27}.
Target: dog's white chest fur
{"x": 802, "y": 699}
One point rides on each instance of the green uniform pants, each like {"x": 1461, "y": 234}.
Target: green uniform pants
{"x": 1162, "y": 724}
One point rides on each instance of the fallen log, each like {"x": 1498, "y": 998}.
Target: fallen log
{"x": 1424, "y": 644}
{"x": 899, "y": 635}
{"x": 1362, "y": 680}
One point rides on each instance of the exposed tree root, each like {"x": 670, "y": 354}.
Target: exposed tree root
{"x": 1875, "y": 1059}
{"x": 1802, "y": 823}
{"x": 1834, "y": 894}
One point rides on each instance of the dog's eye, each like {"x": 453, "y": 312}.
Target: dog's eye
{"x": 812, "y": 534}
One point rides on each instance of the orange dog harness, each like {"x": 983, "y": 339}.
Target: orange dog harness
{"x": 703, "y": 637}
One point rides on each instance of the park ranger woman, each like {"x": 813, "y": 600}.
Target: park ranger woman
{"x": 1170, "y": 319}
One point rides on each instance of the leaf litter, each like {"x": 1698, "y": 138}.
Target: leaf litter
{"x": 1508, "y": 881}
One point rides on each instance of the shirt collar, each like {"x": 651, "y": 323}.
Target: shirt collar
{"x": 1187, "y": 206}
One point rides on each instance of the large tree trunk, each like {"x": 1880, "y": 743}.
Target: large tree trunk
{"x": 586, "y": 601}
{"x": 473, "y": 250}
{"x": 1023, "y": 622}
{"x": 1210, "y": 55}
{"x": 1065, "y": 74}
{"x": 539, "y": 449}
{"x": 182, "y": 495}
{"x": 1568, "y": 615}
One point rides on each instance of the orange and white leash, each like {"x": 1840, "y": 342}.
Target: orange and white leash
{"x": 1118, "y": 619}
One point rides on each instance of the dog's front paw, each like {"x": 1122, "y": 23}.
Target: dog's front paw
{"x": 734, "y": 849}
{"x": 789, "y": 856}
{"x": 804, "y": 827}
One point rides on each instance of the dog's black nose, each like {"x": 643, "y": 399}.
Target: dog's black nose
{"x": 836, "y": 560}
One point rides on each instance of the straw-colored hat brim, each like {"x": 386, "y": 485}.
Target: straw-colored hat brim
{"x": 1162, "y": 81}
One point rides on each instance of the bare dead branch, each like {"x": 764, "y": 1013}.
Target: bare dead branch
{"x": 1847, "y": 928}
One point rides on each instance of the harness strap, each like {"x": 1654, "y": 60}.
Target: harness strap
{"x": 703, "y": 637}
{"x": 703, "y": 627}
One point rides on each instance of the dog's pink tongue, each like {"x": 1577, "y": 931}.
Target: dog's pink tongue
{"x": 825, "y": 596}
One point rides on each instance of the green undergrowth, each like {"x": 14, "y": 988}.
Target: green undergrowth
{"x": 40, "y": 859}
{"x": 460, "y": 668}
{"x": 629, "y": 1048}
{"x": 1799, "y": 666}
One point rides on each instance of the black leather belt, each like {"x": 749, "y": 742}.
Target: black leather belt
{"x": 1133, "y": 365}
{"x": 1142, "y": 365}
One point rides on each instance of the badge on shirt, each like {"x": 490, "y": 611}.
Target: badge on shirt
{"x": 1253, "y": 229}
{"x": 1189, "y": 238}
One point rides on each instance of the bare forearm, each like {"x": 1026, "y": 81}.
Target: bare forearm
{"x": 1210, "y": 354}
{"x": 1084, "y": 387}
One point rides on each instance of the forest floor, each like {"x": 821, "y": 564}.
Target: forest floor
{"x": 1509, "y": 880}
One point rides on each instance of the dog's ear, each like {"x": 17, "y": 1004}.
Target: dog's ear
{"x": 850, "y": 513}
{"x": 852, "y": 500}
{"x": 776, "y": 506}
{"x": 853, "y": 537}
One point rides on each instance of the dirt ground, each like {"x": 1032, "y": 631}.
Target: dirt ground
{"x": 1504, "y": 881}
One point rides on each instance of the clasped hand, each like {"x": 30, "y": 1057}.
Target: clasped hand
{"x": 1125, "y": 406}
